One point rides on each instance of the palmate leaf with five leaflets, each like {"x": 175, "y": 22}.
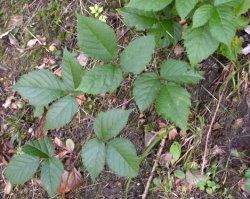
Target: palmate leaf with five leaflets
{"x": 146, "y": 88}
{"x": 149, "y": 5}
{"x": 51, "y": 175}
{"x": 200, "y": 44}
{"x": 93, "y": 157}
{"x": 179, "y": 72}
{"x": 101, "y": 79}
{"x": 173, "y": 103}
{"x": 184, "y": 7}
{"x": 61, "y": 112}
{"x": 137, "y": 54}
{"x": 42, "y": 148}
{"x": 108, "y": 124}
{"x": 40, "y": 87}
{"x": 122, "y": 158}
{"x": 21, "y": 168}
{"x": 96, "y": 38}
{"x": 139, "y": 19}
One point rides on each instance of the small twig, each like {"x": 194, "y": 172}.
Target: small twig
{"x": 144, "y": 195}
{"x": 204, "y": 161}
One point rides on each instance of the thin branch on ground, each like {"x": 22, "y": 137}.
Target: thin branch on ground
{"x": 204, "y": 159}
{"x": 144, "y": 195}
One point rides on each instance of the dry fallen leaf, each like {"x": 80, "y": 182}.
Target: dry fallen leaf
{"x": 165, "y": 159}
{"x": 7, "y": 188}
{"x": 7, "y": 102}
{"x": 172, "y": 134}
{"x": 70, "y": 145}
{"x": 70, "y": 181}
{"x": 178, "y": 50}
{"x": 247, "y": 29}
{"x": 246, "y": 50}
{"x": 58, "y": 72}
{"x": 32, "y": 42}
{"x": 59, "y": 143}
{"x": 194, "y": 177}
{"x": 148, "y": 138}
{"x": 52, "y": 48}
{"x": 81, "y": 99}
{"x": 83, "y": 59}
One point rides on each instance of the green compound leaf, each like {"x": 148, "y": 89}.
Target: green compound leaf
{"x": 202, "y": 15}
{"x": 101, "y": 79}
{"x": 179, "y": 72}
{"x": 61, "y": 112}
{"x": 42, "y": 148}
{"x": 40, "y": 87}
{"x": 137, "y": 54}
{"x": 122, "y": 158}
{"x": 173, "y": 103}
{"x": 72, "y": 71}
{"x": 146, "y": 88}
{"x": 221, "y": 24}
{"x": 175, "y": 150}
{"x": 166, "y": 33}
{"x": 96, "y": 38}
{"x": 93, "y": 157}
{"x": 139, "y": 19}
{"x": 51, "y": 175}
{"x": 149, "y": 5}
{"x": 199, "y": 44}
{"x": 184, "y": 7}
{"x": 108, "y": 124}
{"x": 21, "y": 168}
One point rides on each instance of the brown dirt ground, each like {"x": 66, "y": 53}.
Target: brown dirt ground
{"x": 58, "y": 26}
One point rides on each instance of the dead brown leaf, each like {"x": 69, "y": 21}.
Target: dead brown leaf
{"x": 70, "y": 181}
{"x": 165, "y": 159}
{"x": 81, "y": 99}
{"x": 7, "y": 102}
{"x": 7, "y": 188}
{"x": 82, "y": 59}
{"x": 148, "y": 138}
{"x": 178, "y": 50}
{"x": 172, "y": 134}
{"x": 59, "y": 143}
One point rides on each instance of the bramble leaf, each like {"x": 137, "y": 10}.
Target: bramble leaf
{"x": 199, "y": 44}
{"x": 221, "y": 25}
{"x": 72, "y": 71}
{"x": 149, "y": 5}
{"x": 108, "y": 124}
{"x": 122, "y": 158}
{"x": 42, "y": 148}
{"x": 61, "y": 112}
{"x": 243, "y": 7}
{"x": 40, "y": 87}
{"x": 21, "y": 168}
{"x": 166, "y": 33}
{"x": 173, "y": 103}
{"x": 179, "y": 72}
{"x": 227, "y": 2}
{"x": 51, "y": 175}
{"x": 202, "y": 15}
{"x": 137, "y": 54}
{"x": 93, "y": 157}
{"x": 184, "y": 7}
{"x": 146, "y": 88}
{"x": 101, "y": 79}
{"x": 139, "y": 19}
{"x": 96, "y": 38}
